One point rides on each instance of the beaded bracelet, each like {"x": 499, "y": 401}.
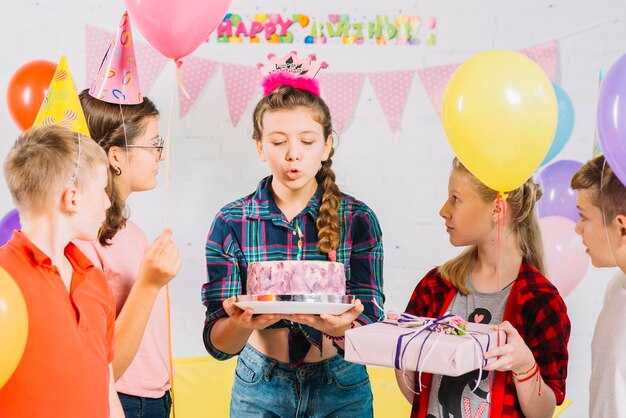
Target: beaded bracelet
{"x": 338, "y": 339}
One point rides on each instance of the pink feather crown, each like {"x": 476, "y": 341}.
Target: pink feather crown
{"x": 290, "y": 70}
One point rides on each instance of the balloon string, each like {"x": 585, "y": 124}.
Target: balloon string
{"x": 179, "y": 64}
{"x": 500, "y": 213}
{"x": 169, "y": 341}
{"x": 167, "y": 287}
{"x": 502, "y": 216}
{"x": 168, "y": 146}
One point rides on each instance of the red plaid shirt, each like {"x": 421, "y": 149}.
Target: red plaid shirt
{"x": 534, "y": 308}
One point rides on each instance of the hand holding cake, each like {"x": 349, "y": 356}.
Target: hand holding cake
{"x": 331, "y": 325}
{"x": 246, "y": 318}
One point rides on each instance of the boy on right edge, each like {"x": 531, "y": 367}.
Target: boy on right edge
{"x": 602, "y": 226}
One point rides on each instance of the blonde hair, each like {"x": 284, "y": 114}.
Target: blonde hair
{"x": 523, "y": 220}
{"x": 45, "y": 160}
{"x": 605, "y": 190}
{"x": 289, "y": 98}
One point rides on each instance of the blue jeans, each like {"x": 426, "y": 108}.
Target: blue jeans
{"x": 265, "y": 387}
{"x": 139, "y": 407}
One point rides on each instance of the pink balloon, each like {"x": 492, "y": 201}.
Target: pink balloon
{"x": 565, "y": 255}
{"x": 176, "y": 28}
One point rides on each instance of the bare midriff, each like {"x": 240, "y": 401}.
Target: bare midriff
{"x": 274, "y": 343}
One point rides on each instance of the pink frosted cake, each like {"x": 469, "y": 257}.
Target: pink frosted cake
{"x": 296, "y": 278}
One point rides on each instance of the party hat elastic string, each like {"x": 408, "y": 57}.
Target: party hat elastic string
{"x": 130, "y": 177}
{"x": 604, "y": 218}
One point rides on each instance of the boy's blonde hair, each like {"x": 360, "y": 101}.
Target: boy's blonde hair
{"x": 605, "y": 190}
{"x": 44, "y": 161}
{"x": 521, "y": 207}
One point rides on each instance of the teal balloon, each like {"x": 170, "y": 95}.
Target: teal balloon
{"x": 565, "y": 124}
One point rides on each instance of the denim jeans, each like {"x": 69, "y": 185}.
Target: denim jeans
{"x": 139, "y": 407}
{"x": 265, "y": 387}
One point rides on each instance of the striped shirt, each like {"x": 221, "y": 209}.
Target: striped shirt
{"x": 254, "y": 229}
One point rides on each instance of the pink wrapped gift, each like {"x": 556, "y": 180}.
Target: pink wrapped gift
{"x": 425, "y": 348}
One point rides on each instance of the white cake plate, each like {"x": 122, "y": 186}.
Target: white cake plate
{"x": 296, "y": 304}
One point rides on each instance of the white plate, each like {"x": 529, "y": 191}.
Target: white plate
{"x": 290, "y": 308}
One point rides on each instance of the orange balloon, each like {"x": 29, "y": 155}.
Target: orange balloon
{"x": 27, "y": 89}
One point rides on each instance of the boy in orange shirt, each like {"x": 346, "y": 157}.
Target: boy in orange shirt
{"x": 57, "y": 179}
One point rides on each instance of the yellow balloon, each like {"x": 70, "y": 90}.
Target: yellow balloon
{"x": 13, "y": 326}
{"x": 500, "y": 116}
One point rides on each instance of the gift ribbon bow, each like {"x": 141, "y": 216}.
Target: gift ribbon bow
{"x": 431, "y": 326}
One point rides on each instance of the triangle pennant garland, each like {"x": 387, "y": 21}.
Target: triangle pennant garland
{"x": 195, "y": 74}
{"x": 392, "y": 91}
{"x": 341, "y": 92}
{"x": 545, "y": 55}
{"x": 96, "y": 42}
{"x": 435, "y": 80}
{"x": 241, "y": 82}
{"x": 150, "y": 64}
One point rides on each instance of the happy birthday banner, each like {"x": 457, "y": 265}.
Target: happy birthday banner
{"x": 340, "y": 90}
{"x": 332, "y": 29}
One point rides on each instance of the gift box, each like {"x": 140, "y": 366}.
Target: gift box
{"x": 423, "y": 348}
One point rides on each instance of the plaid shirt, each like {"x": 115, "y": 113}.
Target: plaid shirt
{"x": 254, "y": 229}
{"x": 534, "y": 308}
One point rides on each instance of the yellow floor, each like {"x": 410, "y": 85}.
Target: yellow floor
{"x": 202, "y": 389}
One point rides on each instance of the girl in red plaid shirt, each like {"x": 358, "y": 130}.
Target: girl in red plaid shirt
{"x": 496, "y": 280}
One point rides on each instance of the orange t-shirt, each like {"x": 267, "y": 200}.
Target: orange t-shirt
{"x": 64, "y": 371}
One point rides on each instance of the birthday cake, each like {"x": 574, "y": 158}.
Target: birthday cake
{"x": 296, "y": 278}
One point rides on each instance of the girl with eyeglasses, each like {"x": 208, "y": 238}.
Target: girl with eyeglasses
{"x": 136, "y": 270}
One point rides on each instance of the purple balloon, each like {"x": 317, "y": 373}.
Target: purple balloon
{"x": 612, "y": 118}
{"x": 9, "y": 223}
{"x": 558, "y": 197}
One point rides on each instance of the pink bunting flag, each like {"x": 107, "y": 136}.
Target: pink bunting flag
{"x": 435, "y": 80}
{"x": 96, "y": 42}
{"x": 149, "y": 62}
{"x": 341, "y": 91}
{"x": 241, "y": 83}
{"x": 392, "y": 91}
{"x": 195, "y": 74}
{"x": 545, "y": 55}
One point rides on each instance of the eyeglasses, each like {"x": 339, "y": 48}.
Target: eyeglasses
{"x": 158, "y": 146}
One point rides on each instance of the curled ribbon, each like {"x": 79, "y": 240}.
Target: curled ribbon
{"x": 430, "y": 326}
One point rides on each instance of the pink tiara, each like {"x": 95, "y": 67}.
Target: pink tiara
{"x": 291, "y": 71}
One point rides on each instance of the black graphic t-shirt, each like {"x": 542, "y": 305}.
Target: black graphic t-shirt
{"x": 458, "y": 397}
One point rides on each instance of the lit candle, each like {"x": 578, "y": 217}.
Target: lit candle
{"x": 299, "y": 256}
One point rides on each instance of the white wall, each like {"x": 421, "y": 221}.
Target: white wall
{"x": 402, "y": 176}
